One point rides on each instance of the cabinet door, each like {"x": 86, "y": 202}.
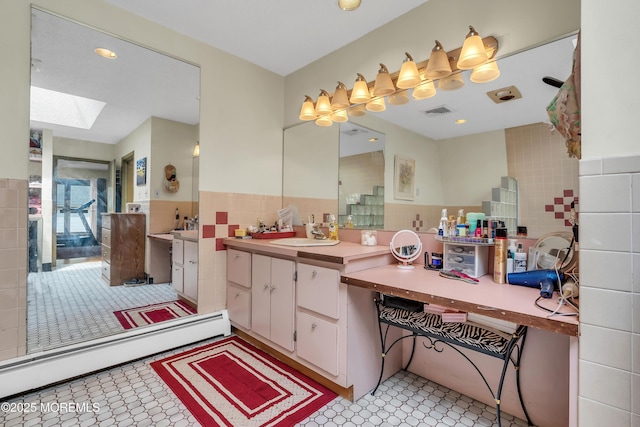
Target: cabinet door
{"x": 318, "y": 342}
{"x": 261, "y": 295}
{"x": 191, "y": 270}
{"x": 282, "y": 302}
{"x": 177, "y": 278}
{"x": 239, "y": 267}
{"x": 177, "y": 251}
{"x": 318, "y": 289}
{"x": 239, "y": 305}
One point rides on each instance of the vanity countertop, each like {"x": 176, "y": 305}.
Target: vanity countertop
{"x": 191, "y": 235}
{"x": 161, "y": 236}
{"x": 342, "y": 253}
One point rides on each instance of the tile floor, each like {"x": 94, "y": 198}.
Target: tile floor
{"x": 133, "y": 395}
{"x": 72, "y": 304}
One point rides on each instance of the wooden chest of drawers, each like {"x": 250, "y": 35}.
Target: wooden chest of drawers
{"x": 123, "y": 244}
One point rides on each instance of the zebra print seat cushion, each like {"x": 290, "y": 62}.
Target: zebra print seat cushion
{"x": 468, "y": 335}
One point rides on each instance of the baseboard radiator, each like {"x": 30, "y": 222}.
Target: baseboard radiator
{"x": 38, "y": 370}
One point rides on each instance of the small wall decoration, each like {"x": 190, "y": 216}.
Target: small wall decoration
{"x": 141, "y": 171}
{"x": 404, "y": 178}
{"x": 171, "y": 183}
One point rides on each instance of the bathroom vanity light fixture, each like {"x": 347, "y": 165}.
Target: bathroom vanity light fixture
{"x": 473, "y": 51}
{"x": 196, "y": 149}
{"x": 438, "y": 65}
{"x": 308, "y": 110}
{"x": 360, "y": 93}
{"x": 349, "y": 4}
{"x": 340, "y": 98}
{"x": 442, "y": 69}
{"x": 409, "y": 76}
{"x": 384, "y": 85}
{"x": 323, "y": 105}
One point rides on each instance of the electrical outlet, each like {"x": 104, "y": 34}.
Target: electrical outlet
{"x": 156, "y": 194}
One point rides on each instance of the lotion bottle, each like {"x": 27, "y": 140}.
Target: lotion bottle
{"x": 333, "y": 228}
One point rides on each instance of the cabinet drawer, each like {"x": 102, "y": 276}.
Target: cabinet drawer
{"x": 239, "y": 267}
{"x": 318, "y": 342}
{"x": 177, "y": 251}
{"x": 106, "y": 236}
{"x": 239, "y": 305}
{"x": 106, "y": 270}
{"x": 318, "y": 289}
{"x": 106, "y": 221}
{"x": 106, "y": 253}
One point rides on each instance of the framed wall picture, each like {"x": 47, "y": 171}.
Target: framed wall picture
{"x": 404, "y": 178}
{"x": 141, "y": 171}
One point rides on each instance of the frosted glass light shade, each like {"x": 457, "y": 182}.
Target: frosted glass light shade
{"x": 485, "y": 73}
{"x": 340, "y": 98}
{"x": 340, "y": 116}
{"x": 409, "y": 76}
{"x": 424, "y": 90}
{"x": 399, "y": 98}
{"x": 376, "y": 105}
{"x": 452, "y": 82}
{"x": 473, "y": 52}
{"x": 384, "y": 85}
{"x": 438, "y": 65}
{"x": 349, "y": 4}
{"x": 323, "y": 105}
{"x": 308, "y": 110}
{"x": 358, "y": 111}
{"x": 324, "y": 121}
{"x": 360, "y": 93}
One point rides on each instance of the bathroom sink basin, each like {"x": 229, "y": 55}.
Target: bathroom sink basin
{"x": 302, "y": 241}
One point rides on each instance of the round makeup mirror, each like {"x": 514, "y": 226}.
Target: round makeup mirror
{"x": 555, "y": 251}
{"x": 405, "y": 247}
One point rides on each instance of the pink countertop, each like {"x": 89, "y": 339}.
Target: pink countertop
{"x": 342, "y": 253}
{"x": 502, "y": 301}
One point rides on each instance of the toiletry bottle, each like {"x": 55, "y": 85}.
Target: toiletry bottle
{"x": 478, "y": 231}
{"x": 333, "y": 228}
{"x": 349, "y": 222}
{"x": 442, "y": 228}
{"x": 511, "y": 249}
{"x": 500, "y": 257}
{"x": 519, "y": 260}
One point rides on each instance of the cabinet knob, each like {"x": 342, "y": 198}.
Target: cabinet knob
{"x": 237, "y": 294}
{"x": 314, "y": 273}
{"x": 193, "y": 262}
{"x": 271, "y": 288}
{"x": 105, "y": 254}
{"x": 313, "y": 326}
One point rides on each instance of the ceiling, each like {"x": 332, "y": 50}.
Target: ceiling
{"x": 256, "y": 31}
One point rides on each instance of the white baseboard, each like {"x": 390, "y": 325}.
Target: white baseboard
{"x": 39, "y": 370}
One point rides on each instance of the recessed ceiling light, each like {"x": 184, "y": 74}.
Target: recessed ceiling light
{"x": 460, "y": 121}
{"x": 106, "y": 53}
{"x": 373, "y": 139}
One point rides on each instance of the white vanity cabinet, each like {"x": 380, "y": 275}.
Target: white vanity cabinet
{"x": 239, "y": 287}
{"x": 272, "y": 299}
{"x": 177, "y": 265}
{"x": 317, "y": 317}
{"x": 184, "y": 269}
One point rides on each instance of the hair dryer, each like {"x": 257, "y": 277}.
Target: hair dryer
{"x": 545, "y": 280}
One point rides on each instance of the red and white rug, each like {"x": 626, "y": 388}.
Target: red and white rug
{"x": 232, "y": 383}
{"x": 154, "y": 313}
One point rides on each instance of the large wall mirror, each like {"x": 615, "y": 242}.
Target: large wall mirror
{"x": 136, "y": 115}
{"x": 506, "y": 133}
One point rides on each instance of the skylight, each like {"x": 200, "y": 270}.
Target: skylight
{"x": 48, "y": 106}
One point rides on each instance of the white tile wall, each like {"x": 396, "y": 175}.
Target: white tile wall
{"x": 609, "y": 378}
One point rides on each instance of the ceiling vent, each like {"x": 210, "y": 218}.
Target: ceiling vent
{"x": 354, "y": 131}
{"x": 505, "y": 94}
{"x": 438, "y": 111}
